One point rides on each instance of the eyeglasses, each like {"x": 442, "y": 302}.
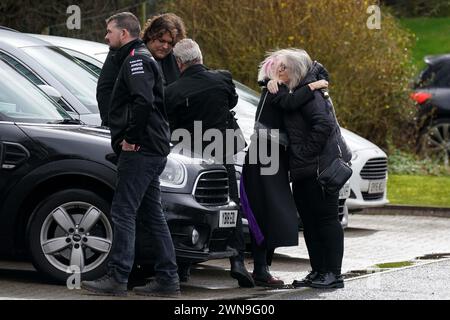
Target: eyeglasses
{"x": 282, "y": 67}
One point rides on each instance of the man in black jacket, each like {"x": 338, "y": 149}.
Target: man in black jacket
{"x": 160, "y": 34}
{"x": 140, "y": 137}
{"x": 207, "y": 96}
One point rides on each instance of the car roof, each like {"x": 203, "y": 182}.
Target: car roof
{"x": 88, "y": 47}
{"x": 437, "y": 59}
{"x": 20, "y": 40}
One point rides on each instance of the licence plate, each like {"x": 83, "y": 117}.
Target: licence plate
{"x": 377, "y": 186}
{"x": 228, "y": 218}
{"x": 344, "y": 193}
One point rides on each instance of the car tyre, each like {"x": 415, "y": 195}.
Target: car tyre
{"x": 434, "y": 140}
{"x": 71, "y": 228}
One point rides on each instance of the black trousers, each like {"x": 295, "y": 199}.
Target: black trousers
{"x": 237, "y": 240}
{"x": 262, "y": 255}
{"x": 323, "y": 232}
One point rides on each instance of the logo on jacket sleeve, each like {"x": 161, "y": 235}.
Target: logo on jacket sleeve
{"x": 136, "y": 67}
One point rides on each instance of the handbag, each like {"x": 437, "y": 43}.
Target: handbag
{"x": 334, "y": 177}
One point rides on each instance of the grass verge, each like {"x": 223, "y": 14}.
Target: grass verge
{"x": 419, "y": 190}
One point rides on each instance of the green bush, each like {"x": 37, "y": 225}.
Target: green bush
{"x": 404, "y": 163}
{"x": 370, "y": 69}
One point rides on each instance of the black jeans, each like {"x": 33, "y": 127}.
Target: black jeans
{"x": 138, "y": 192}
{"x": 323, "y": 232}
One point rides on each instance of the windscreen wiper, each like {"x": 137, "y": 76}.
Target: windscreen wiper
{"x": 66, "y": 121}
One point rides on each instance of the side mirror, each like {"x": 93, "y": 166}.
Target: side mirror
{"x": 50, "y": 91}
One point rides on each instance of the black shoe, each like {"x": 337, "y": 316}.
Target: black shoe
{"x": 155, "y": 289}
{"x": 240, "y": 273}
{"x": 107, "y": 286}
{"x": 263, "y": 278}
{"x": 328, "y": 281}
{"x": 306, "y": 281}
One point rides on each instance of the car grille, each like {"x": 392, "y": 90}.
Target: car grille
{"x": 375, "y": 169}
{"x": 373, "y": 196}
{"x": 212, "y": 188}
{"x": 219, "y": 240}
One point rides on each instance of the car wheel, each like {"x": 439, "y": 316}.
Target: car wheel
{"x": 69, "y": 232}
{"x": 434, "y": 141}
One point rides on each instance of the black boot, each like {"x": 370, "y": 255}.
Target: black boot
{"x": 328, "y": 280}
{"x": 240, "y": 273}
{"x": 306, "y": 281}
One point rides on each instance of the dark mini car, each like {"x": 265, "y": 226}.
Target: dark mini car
{"x": 432, "y": 96}
{"x": 57, "y": 180}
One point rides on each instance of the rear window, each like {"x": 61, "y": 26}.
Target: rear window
{"x": 435, "y": 76}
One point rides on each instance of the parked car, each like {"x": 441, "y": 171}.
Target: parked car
{"x": 432, "y": 97}
{"x": 73, "y": 84}
{"x": 57, "y": 179}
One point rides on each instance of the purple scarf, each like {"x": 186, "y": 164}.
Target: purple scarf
{"x": 248, "y": 214}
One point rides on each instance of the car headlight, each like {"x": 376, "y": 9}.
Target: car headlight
{"x": 174, "y": 175}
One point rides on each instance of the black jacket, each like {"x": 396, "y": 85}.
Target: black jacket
{"x": 270, "y": 115}
{"x": 110, "y": 71}
{"x": 201, "y": 95}
{"x": 312, "y": 129}
{"x": 137, "y": 111}
{"x": 105, "y": 85}
{"x": 169, "y": 68}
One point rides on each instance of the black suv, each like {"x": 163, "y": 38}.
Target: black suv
{"x": 432, "y": 95}
{"x": 57, "y": 180}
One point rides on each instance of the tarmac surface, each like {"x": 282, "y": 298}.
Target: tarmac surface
{"x": 369, "y": 240}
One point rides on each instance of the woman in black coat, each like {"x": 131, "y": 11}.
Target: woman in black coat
{"x": 267, "y": 198}
{"x": 315, "y": 142}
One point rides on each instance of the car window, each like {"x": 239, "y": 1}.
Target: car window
{"x": 84, "y": 59}
{"x": 21, "y": 68}
{"x": 435, "y": 76}
{"x": 22, "y": 101}
{"x": 91, "y": 66}
{"x": 74, "y": 75}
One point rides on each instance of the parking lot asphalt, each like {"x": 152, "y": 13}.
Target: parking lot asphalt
{"x": 428, "y": 281}
{"x": 369, "y": 240}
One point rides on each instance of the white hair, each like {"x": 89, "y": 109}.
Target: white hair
{"x": 297, "y": 62}
{"x": 188, "y": 52}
